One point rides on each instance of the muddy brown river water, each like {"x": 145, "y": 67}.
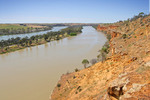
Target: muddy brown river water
{"x": 32, "y": 73}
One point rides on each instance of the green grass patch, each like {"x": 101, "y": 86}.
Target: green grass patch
{"x": 10, "y": 26}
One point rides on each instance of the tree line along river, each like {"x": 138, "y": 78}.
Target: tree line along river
{"x": 54, "y": 29}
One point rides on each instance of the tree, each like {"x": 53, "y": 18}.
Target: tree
{"x": 57, "y": 37}
{"x": 30, "y": 42}
{"x": 16, "y": 41}
{"x": 93, "y": 61}
{"x": 2, "y": 44}
{"x": 26, "y": 42}
{"x": 20, "y": 42}
{"x": 108, "y": 37}
{"x": 50, "y": 34}
{"x": 85, "y": 62}
{"x": 28, "y": 30}
{"x": 23, "y": 30}
{"x": 36, "y": 38}
{"x": 103, "y": 54}
{"x": 45, "y": 37}
{"x": 141, "y": 14}
{"x": 32, "y": 37}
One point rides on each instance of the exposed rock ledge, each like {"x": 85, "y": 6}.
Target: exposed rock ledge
{"x": 125, "y": 75}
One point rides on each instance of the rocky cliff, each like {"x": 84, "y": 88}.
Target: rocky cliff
{"x": 124, "y": 75}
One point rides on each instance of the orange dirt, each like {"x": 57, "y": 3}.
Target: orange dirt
{"x": 124, "y": 75}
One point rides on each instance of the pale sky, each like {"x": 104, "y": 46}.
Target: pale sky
{"x": 70, "y": 11}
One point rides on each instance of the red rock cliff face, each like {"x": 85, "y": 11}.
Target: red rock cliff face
{"x": 113, "y": 27}
{"x": 124, "y": 75}
{"x": 113, "y": 33}
{"x": 102, "y": 28}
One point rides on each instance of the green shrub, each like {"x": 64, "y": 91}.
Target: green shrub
{"x": 124, "y": 36}
{"x": 131, "y": 33}
{"x": 103, "y": 52}
{"x": 134, "y": 36}
{"x": 74, "y": 77}
{"x": 80, "y": 90}
{"x": 104, "y": 49}
{"x": 108, "y": 37}
{"x": 76, "y": 70}
{"x": 142, "y": 25}
{"x": 73, "y": 34}
{"x": 127, "y": 24}
{"x": 58, "y": 85}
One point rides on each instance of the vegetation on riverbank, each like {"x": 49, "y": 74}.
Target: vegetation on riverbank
{"x": 8, "y": 29}
{"x": 102, "y": 53}
{"x": 94, "y": 26}
{"x": 72, "y": 30}
{"x": 18, "y": 43}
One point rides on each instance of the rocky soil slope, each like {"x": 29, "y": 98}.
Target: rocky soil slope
{"x": 124, "y": 75}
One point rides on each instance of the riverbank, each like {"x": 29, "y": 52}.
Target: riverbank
{"x": 14, "y": 44}
{"x": 12, "y": 29}
{"x": 16, "y": 48}
{"x": 125, "y": 72}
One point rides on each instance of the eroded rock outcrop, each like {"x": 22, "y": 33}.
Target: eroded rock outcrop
{"x": 124, "y": 75}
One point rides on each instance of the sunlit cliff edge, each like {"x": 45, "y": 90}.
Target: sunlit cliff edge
{"x": 124, "y": 75}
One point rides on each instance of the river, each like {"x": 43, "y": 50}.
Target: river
{"x": 54, "y": 29}
{"x": 32, "y": 73}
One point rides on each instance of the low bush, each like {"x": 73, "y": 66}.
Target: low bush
{"x": 108, "y": 37}
{"x": 124, "y": 36}
{"x": 93, "y": 61}
{"x": 76, "y": 70}
{"x": 103, "y": 52}
{"x": 73, "y": 34}
{"x": 58, "y": 85}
